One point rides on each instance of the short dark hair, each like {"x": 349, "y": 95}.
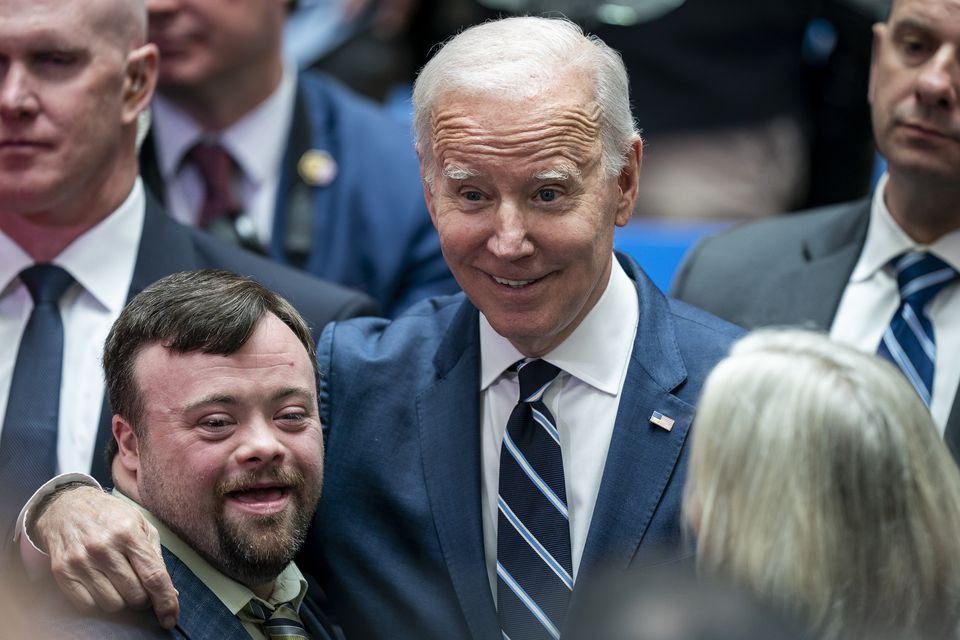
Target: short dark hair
{"x": 208, "y": 310}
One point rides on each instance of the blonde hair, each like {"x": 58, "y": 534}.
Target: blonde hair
{"x": 819, "y": 481}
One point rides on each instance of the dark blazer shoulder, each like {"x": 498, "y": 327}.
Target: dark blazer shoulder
{"x": 351, "y": 114}
{"x": 751, "y": 245}
{"x": 319, "y": 301}
{"x": 749, "y": 274}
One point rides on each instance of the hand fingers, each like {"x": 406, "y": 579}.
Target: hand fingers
{"x": 148, "y": 564}
{"x": 76, "y": 593}
{"x": 97, "y": 575}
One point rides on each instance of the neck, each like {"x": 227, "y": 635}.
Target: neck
{"x": 44, "y": 233}
{"x": 263, "y": 591}
{"x": 220, "y": 104}
{"x": 925, "y": 210}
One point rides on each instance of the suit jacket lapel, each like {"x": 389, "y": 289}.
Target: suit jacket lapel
{"x": 150, "y": 169}
{"x": 293, "y": 232}
{"x": 642, "y": 456}
{"x": 829, "y": 254}
{"x": 204, "y": 616}
{"x": 449, "y": 415}
{"x": 165, "y": 248}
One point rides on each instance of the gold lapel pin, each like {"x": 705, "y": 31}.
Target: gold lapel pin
{"x": 317, "y": 168}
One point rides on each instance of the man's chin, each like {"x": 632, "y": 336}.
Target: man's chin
{"x": 259, "y": 546}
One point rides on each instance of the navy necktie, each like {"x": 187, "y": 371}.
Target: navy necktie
{"x": 909, "y": 340}
{"x": 534, "y": 567}
{"x": 28, "y": 444}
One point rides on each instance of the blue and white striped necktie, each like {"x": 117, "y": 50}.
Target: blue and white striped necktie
{"x": 909, "y": 340}
{"x": 534, "y": 568}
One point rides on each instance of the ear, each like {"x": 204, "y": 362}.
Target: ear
{"x": 879, "y": 32}
{"x": 140, "y": 81}
{"x": 427, "y": 192}
{"x": 628, "y": 182}
{"x": 128, "y": 445}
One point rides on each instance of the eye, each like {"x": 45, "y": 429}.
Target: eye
{"x": 293, "y": 418}
{"x": 55, "y": 58}
{"x": 547, "y": 194}
{"x": 916, "y": 46}
{"x": 472, "y": 196}
{"x": 215, "y": 422}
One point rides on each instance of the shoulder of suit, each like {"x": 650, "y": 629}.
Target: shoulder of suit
{"x": 353, "y": 114}
{"x": 418, "y": 330}
{"x": 791, "y": 228}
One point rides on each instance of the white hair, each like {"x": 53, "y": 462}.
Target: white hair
{"x": 521, "y": 58}
{"x": 819, "y": 481}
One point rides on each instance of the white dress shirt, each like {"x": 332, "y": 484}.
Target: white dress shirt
{"x": 256, "y": 142}
{"x": 872, "y": 297}
{"x": 101, "y": 261}
{"x": 583, "y": 399}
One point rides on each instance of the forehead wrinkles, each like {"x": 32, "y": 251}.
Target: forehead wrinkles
{"x": 571, "y": 133}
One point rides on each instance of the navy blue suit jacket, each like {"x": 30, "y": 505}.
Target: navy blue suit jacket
{"x": 202, "y": 616}
{"x": 167, "y": 246}
{"x": 369, "y": 228}
{"x": 397, "y": 540}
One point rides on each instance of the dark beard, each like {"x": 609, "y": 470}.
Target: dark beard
{"x": 257, "y": 554}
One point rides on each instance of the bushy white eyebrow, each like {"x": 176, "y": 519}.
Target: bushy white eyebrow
{"x": 558, "y": 173}
{"x": 454, "y": 172}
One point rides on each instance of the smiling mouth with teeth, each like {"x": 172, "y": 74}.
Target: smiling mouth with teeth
{"x": 516, "y": 284}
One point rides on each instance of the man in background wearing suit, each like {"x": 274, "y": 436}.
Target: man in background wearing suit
{"x": 850, "y": 268}
{"x": 213, "y": 379}
{"x": 78, "y": 234}
{"x": 486, "y": 452}
{"x": 290, "y": 164}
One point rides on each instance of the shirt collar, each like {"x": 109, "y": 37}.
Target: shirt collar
{"x": 13, "y": 260}
{"x": 253, "y": 141}
{"x": 598, "y": 350}
{"x": 107, "y": 280}
{"x": 290, "y": 585}
{"x": 886, "y": 240}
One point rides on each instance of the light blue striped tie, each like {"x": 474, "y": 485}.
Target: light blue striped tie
{"x": 909, "y": 340}
{"x": 534, "y": 568}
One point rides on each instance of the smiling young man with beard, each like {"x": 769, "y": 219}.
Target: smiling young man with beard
{"x": 214, "y": 384}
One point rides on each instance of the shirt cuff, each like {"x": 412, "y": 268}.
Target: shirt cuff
{"x": 36, "y": 561}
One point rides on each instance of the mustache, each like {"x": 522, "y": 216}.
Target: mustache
{"x": 290, "y": 478}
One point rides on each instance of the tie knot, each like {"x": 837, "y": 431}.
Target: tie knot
{"x": 217, "y": 169}
{"x": 212, "y": 160}
{"x": 280, "y": 622}
{"x": 921, "y": 276}
{"x": 535, "y": 377}
{"x": 46, "y": 282}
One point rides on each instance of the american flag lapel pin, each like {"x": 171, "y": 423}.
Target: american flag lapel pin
{"x": 662, "y": 421}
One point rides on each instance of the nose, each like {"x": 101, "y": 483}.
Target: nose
{"x": 18, "y": 101}
{"x": 510, "y": 238}
{"x": 260, "y": 444}
{"x": 937, "y": 84}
